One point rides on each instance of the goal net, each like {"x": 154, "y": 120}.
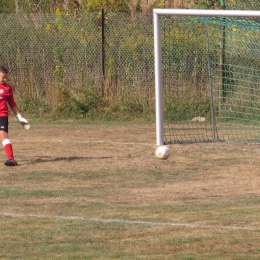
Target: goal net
{"x": 207, "y": 75}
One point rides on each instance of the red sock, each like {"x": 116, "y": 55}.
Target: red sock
{"x": 8, "y": 148}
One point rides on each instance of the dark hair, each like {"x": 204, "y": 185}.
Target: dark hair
{"x": 3, "y": 69}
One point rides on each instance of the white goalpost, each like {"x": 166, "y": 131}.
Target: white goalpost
{"x": 159, "y": 83}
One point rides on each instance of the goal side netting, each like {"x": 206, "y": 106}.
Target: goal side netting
{"x": 207, "y": 75}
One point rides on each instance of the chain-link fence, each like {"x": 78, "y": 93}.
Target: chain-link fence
{"x": 34, "y": 6}
{"x": 50, "y": 54}
{"x": 242, "y": 5}
{"x": 53, "y": 56}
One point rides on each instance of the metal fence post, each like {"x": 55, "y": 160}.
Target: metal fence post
{"x": 103, "y": 51}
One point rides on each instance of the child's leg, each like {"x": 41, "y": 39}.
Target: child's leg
{"x": 6, "y": 141}
{"x": 7, "y": 144}
{"x": 8, "y": 148}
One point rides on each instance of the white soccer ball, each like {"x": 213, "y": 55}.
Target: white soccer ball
{"x": 162, "y": 152}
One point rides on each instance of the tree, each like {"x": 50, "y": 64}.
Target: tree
{"x": 204, "y": 4}
{"x": 7, "y": 6}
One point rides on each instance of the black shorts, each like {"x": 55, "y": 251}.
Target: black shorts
{"x": 4, "y": 123}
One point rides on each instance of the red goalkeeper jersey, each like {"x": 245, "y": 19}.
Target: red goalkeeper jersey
{"x": 6, "y": 97}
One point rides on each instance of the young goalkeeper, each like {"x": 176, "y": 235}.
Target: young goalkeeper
{"x": 7, "y": 98}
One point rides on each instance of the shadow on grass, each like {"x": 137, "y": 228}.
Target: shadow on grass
{"x": 71, "y": 158}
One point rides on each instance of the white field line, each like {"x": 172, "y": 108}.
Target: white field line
{"x": 132, "y": 222}
{"x": 87, "y": 141}
{"x": 141, "y": 143}
{"x": 112, "y": 142}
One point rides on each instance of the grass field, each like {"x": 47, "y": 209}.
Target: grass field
{"x": 97, "y": 192}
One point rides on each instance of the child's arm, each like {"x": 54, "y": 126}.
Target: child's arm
{"x": 15, "y": 110}
{"x": 20, "y": 118}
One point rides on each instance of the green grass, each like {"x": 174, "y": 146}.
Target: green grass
{"x": 79, "y": 198}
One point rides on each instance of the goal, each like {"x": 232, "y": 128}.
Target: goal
{"x": 207, "y": 75}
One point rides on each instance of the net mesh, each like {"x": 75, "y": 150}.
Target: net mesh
{"x": 211, "y": 79}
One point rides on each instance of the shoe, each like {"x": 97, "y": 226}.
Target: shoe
{"x": 11, "y": 162}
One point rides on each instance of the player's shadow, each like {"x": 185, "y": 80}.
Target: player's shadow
{"x": 71, "y": 158}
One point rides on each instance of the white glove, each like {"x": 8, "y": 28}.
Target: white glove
{"x": 23, "y": 122}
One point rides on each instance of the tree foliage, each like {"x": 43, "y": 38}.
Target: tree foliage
{"x": 205, "y": 4}
{"x": 66, "y": 6}
{"x": 7, "y": 6}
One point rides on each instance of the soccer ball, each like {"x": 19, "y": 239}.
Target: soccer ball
{"x": 162, "y": 152}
